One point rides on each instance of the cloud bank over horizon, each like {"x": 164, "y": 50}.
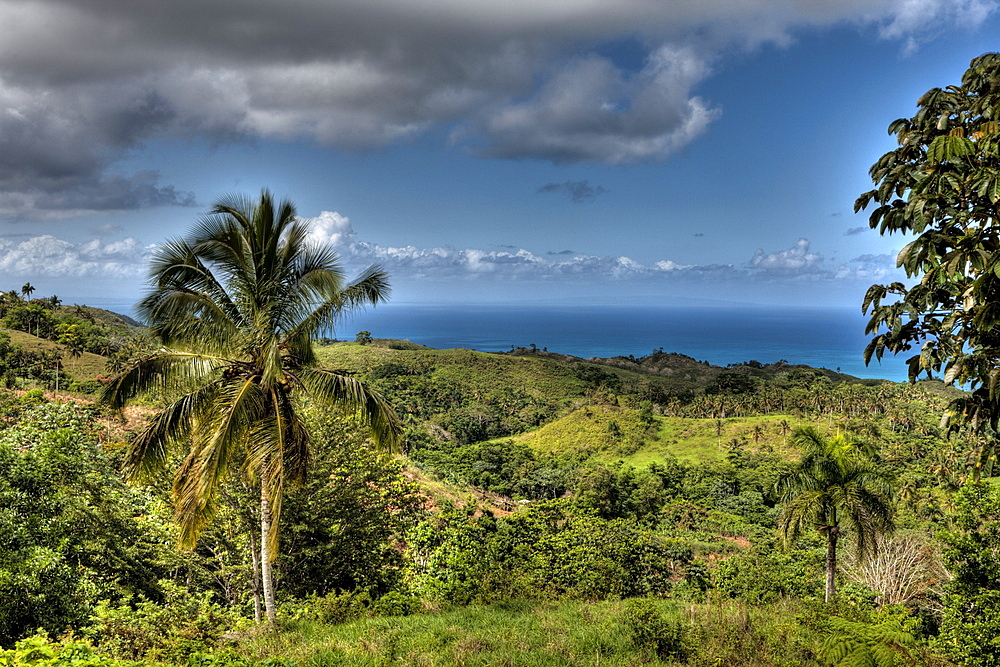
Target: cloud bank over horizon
{"x": 86, "y": 84}
{"x": 512, "y": 264}
{"x": 49, "y": 259}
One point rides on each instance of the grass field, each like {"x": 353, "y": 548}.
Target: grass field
{"x": 86, "y": 367}
{"x": 605, "y": 432}
{"x": 607, "y": 634}
{"x": 586, "y": 431}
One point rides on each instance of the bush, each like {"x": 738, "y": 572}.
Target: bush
{"x": 337, "y": 608}
{"x": 765, "y": 576}
{"x": 39, "y": 651}
{"x": 184, "y": 624}
{"x": 652, "y": 632}
{"x": 71, "y": 533}
{"x": 331, "y": 609}
{"x": 546, "y": 552}
{"x": 85, "y": 386}
{"x": 970, "y": 629}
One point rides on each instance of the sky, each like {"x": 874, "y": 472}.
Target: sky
{"x": 567, "y": 151}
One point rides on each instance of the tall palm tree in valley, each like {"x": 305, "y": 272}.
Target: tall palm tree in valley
{"x": 836, "y": 486}
{"x": 236, "y": 306}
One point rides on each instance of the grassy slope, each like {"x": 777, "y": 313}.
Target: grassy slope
{"x": 546, "y": 374}
{"x": 86, "y": 367}
{"x": 101, "y": 316}
{"x": 584, "y": 427}
{"x": 564, "y": 633}
{"x": 477, "y": 373}
{"x": 585, "y": 430}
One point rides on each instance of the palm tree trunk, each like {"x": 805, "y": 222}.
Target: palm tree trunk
{"x": 258, "y": 611}
{"x": 831, "y": 562}
{"x": 266, "y": 575}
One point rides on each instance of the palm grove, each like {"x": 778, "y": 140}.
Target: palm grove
{"x": 661, "y": 478}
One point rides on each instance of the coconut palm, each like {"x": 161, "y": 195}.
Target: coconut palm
{"x": 836, "y": 486}
{"x": 236, "y": 306}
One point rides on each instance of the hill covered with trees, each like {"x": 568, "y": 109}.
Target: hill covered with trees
{"x": 533, "y": 490}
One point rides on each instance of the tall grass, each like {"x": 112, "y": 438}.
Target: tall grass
{"x": 607, "y": 634}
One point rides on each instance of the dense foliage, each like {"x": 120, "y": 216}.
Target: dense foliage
{"x": 613, "y": 495}
{"x": 942, "y": 184}
{"x": 71, "y": 534}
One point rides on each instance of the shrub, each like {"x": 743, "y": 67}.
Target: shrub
{"x": 40, "y": 651}
{"x": 883, "y": 644}
{"x": 85, "y": 386}
{"x": 333, "y": 608}
{"x": 184, "y": 624}
{"x": 765, "y": 576}
{"x": 970, "y": 629}
{"x": 336, "y": 608}
{"x": 70, "y": 532}
{"x": 652, "y": 632}
{"x": 546, "y": 552}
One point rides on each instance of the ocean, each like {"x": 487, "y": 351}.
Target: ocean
{"x": 831, "y": 338}
{"x": 818, "y": 336}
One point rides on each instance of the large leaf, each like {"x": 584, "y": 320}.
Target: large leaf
{"x": 947, "y": 147}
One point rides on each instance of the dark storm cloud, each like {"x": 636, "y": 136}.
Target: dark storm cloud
{"x": 83, "y": 82}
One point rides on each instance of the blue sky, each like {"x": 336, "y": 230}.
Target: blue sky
{"x": 573, "y": 151}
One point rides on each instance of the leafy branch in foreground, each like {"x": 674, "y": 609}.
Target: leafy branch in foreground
{"x": 942, "y": 184}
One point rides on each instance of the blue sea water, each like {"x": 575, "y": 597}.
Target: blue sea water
{"x": 822, "y": 337}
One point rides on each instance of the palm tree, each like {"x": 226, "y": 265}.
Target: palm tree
{"x": 26, "y": 290}
{"x": 835, "y": 486}
{"x": 236, "y": 306}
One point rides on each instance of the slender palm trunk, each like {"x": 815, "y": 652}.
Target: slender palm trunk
{"x": 266, "y": 575}
{"x": 258, "y": 610}
{"x": 831, "y": 562}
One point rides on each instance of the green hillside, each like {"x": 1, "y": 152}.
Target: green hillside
{"x": 83, "y": 342}
{"x": 476, "y": 374}
{"x": 86, "y": 367}
{"x": 545, "y": 510}
{"x": 612, "y": 433}
{"x": 105, "y": 317}
{"x": 500, "y": 423}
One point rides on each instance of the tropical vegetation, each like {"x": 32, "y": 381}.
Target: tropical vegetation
{"x": 237, "y": 306}
{"x": 835, "y": 486}
{"x": 543, "y": 509}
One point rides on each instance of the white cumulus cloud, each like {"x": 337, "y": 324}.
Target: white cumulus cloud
{"x": 51, "y": 257}
{"x": 796, "y": 259}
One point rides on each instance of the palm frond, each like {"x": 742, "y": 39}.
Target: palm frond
{"x": 805, "y": 510}
{"x": 147, "y": 453}
{"x": 216, "y": 440}
{"x": 371, "y": 287}
{"x": 224, "y": 428}
{"x": 339, "y": 389}
{"x": 185, "y": 290}
{"x": 162, "y": 371}
{"x": 296, "y": 446}
{"x": 192, "y": 510}
{"x": 266, "y": 461}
